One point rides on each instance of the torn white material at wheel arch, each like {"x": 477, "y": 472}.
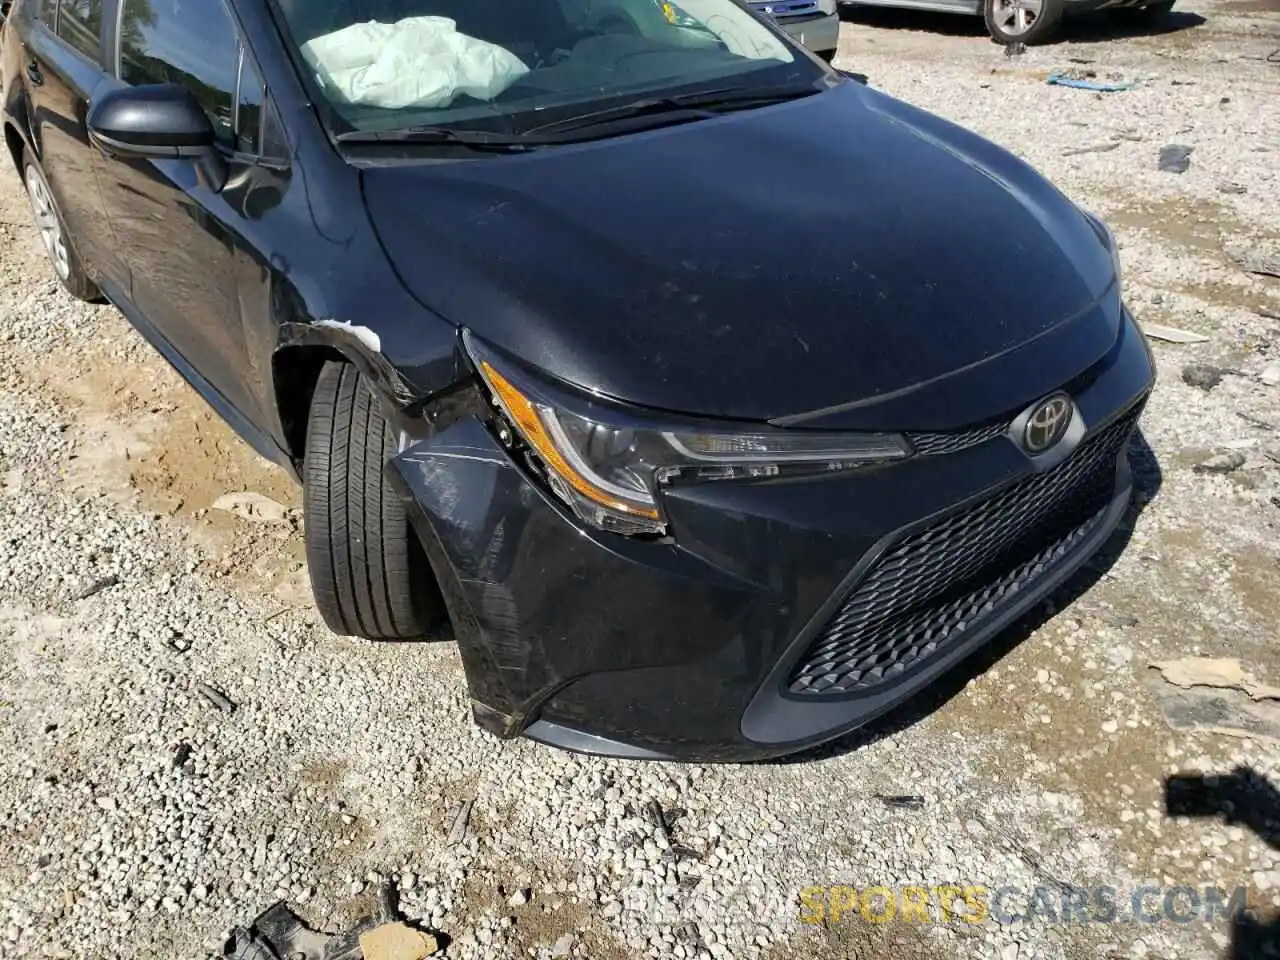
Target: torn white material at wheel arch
{"x": 363, "y": 334}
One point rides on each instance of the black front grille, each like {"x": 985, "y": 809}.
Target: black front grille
{"x": 939, "y": 583}
{"x": 932, "y": 444}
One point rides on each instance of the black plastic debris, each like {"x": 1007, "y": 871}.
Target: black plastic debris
{"x": 690, "y": 936}
{"x": 901, "y": 801}
{"x": 1202, "y": 375}
{"x": 280, "y": 934}
{"x": 1175, "y": 158}
{"x": 216, "y": 697}
{"x": 654, "y": 814}
{"x": 97, "y": 586}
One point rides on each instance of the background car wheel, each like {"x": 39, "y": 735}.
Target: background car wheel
{"x": 1021, "y": 21}
{"x": 1152, "y": 11}
{"x": 827, "y": 55}
{"x": 53, "y": 233}
{"x": 368, "y": 572}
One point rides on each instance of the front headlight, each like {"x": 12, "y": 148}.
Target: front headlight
{"x": 609, "y": 464}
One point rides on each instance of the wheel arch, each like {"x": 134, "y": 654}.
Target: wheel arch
{"x": 18, "y": 132}
{"x": 301, "y": 354}
{"x": 16, "y": 143}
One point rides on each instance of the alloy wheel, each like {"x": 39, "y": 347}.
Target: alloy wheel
{"x": 1017, "y": 17}
{"x": 48, "y": 223}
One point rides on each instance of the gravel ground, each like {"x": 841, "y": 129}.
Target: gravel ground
{"x": 137, "y": 819}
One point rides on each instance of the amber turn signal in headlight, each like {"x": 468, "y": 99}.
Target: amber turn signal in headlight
{"x": 609, "y": 462}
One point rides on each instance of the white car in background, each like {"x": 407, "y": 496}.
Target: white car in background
{"x": 813, "y": 23}
{"x": 1026, "y": 21}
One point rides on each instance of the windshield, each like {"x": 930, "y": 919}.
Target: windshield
{"x": 510, "y": 65}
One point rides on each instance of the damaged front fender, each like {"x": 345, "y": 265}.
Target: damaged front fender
{"x": 360, "y": 345}
{"x": 536, "y": 600}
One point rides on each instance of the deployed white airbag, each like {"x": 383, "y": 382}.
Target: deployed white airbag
{"x": 415, "y": 62}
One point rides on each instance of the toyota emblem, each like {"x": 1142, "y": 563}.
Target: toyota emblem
{"x": 1047, "y": 424}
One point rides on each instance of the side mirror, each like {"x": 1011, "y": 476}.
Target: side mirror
{"x": 158, "y": 122}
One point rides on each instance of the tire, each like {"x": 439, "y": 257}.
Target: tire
{"x": 1151, "y": 12}
{"x": 1007, "y": 27}
{"x": 827, "y": 55}
{"x": 369, "y": 575}
{"x": 53, "y": 234}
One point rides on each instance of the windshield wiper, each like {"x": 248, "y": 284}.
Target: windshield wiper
{"x": 678, "y": 108}
{"x": 475, "y": 139}
{"x": 681, "y": 107}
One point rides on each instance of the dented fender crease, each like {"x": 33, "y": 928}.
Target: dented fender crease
{"x": 358, "y": 344}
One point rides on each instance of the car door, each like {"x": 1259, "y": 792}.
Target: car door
{"x": 181, "y": 236}
{"x": 62, "y": 72}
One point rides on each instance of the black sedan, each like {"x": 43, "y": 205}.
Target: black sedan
{"x": 717, "y": 400}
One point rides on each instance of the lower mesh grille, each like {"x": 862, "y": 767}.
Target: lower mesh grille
{"x": 935, "y": 585}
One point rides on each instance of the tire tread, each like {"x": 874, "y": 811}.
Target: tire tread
{"x": 367, "y": 572}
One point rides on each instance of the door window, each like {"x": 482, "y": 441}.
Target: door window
{"x": 191, "y": 42}
{"x": 79, "y": 23}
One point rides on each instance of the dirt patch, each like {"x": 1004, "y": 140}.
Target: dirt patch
{"x": 1205, "y": 226}
{"x": 325, "y": 774}
{"x": 542, "y": 921}
{"x": 1252, "y": 6}
{"x": 853, "y": 938}
{"x": 1090, "y": 726}
{"x": 196, "y": 458}
{"x": 157, "y": 445}
{"x": 1058, "y": 712}
{"x": 163, "y": 443}
{"x": 1253, "y": 581}
{"x": 1241, "y": 296}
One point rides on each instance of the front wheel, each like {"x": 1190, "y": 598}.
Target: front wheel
{"x": 53, "y": 234}
{"x": 369, "y": 574}
{"x": 1021, "y": 21}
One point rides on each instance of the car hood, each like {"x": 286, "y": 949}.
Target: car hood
{"x": 845, "y": 260}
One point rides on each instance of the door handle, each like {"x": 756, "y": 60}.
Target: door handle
{"x": 34, "y": 74}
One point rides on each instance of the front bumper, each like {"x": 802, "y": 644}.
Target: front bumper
{"x": 731, "y": 639}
